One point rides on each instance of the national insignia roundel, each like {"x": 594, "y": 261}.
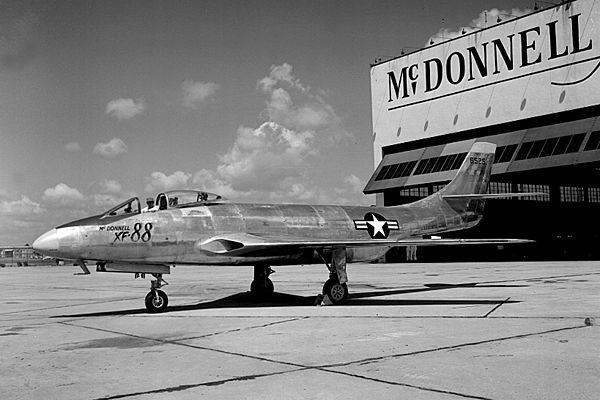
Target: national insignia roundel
{"x": 376, "y": 225}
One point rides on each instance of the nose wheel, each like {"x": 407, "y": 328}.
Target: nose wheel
{"x": 156, "y": 299}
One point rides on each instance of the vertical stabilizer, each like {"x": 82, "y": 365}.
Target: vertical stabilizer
{"x": 462, "y": 194}
{"x": 474, "y": 174}
{"x": 472, "y": 179}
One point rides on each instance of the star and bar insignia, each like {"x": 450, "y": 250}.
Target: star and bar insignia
{"x": 377, "y": 226}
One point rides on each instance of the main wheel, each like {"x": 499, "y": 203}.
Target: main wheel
{"x": 262, "y": 291}
{"x": 156, "y": 301}
{"x": 337, "y": 292}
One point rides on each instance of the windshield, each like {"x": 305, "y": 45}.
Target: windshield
{"x": 131, "y": 206}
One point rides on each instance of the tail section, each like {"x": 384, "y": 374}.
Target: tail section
{"x": 465, "y": 194}
{"x": 474, "y": 174}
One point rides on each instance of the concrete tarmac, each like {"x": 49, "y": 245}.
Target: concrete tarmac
{"x": 409, "y": 331}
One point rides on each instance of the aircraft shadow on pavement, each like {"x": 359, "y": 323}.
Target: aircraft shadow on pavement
{"x": 246, "y": 300}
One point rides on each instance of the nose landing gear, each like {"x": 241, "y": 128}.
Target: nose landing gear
{"x": 156, "y": 299}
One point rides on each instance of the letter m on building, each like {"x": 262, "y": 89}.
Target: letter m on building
{"x": 394, "y": 84}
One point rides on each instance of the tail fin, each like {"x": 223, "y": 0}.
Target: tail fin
{"x": 465, "y": 194}
{"x": 472, "y": 179}
{"x": 474, "y": 174}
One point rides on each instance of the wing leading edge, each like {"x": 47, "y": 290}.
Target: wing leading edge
{"x": 245, "y": 245}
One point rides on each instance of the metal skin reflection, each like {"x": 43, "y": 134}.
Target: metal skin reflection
{"x": 204, "y": 229}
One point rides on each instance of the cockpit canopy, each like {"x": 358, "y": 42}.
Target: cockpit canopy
{"x": 128, "y": 207}
{"x": 167, "y": 200}
{"x": 186, "y": 198}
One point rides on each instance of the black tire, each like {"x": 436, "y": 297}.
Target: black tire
{"x": 337, "y": 292}
{"x": 262, "y": 291}
{"x": 156, "y": 301}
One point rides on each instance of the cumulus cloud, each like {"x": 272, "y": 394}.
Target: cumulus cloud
{"x": 485, "y": 19}
{"x": 209, "y": 181}
{"x": 296, "y": 106}
{"x": 21, "y": 219}
{"x": 111, "y": 149}
{"x": 22, "y": 207}
{"x": 158, "y": 181}
{"x": 354, "y": 183}
{"x": 125, "y": 108}
{"x": 270, "y": 161}
{"x": 72, "y": 147}
{"x": 106, "y": 201}
{"x": 63, "y": 194}
{"x": 18, "y": 20}
{"x": 261, "y": 158}
{"x": 195, "y": 93}
{"x": 110, "y": 186}
{"x": 281, "y": 74}
{"x": 267, "y": 159}
{"x": 350, "y": 191}
{"x": 266, "y": 163}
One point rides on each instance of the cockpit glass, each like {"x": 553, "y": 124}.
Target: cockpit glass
{"x": 131, "y": 206}
{"x": 186, "y": 198}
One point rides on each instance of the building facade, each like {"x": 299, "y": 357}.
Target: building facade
{"x": 529, "y": 84}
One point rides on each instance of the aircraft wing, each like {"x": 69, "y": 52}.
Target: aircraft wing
{"x": 249, "y": 245}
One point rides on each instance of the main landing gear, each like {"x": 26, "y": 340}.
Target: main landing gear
{"x": 335, "y": 287}
{"x": 262, "y": 287}
{"x": 156, "y": 299}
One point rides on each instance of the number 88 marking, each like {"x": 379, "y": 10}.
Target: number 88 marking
{"x": 146, "y": 236}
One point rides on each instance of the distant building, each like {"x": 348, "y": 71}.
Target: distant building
{"x": 529, "y": 84}
{"x": 18, "y": 255}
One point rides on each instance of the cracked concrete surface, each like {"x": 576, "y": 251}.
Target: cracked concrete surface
{"x": 418, "y": 331}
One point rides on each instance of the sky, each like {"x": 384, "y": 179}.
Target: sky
{"x": 256, "y": 100}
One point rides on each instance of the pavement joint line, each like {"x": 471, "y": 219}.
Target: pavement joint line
{"x": 179, "y": 388}
{"x": 496, "y": 307}
{"x": 328, "y": 367}
{"x": 424, "y": 388}
{"x": 69, "y": 305}
{"x": 298, "y": 367}
{"x": 371, "y": 360}
{"x": 541, "y": 277}
{"x": 245, "y": 328}
{"x": 177, "y": 343}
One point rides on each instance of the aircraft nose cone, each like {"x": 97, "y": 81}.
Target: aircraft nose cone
{"x": 47, "y": 243}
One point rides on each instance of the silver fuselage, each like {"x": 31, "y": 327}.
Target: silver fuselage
{"x": 173, "y": 236}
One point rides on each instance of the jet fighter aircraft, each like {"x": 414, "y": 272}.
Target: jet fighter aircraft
{"x": 198, "y": 228}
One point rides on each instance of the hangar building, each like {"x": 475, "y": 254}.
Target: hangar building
{"x": 529, "y": 84}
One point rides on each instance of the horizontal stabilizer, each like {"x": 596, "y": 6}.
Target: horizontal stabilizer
{"x": 482, "y": 196}
{"x": 443, "y": 242}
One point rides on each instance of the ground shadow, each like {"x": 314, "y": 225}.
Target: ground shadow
{"x": 247, "y": 300}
